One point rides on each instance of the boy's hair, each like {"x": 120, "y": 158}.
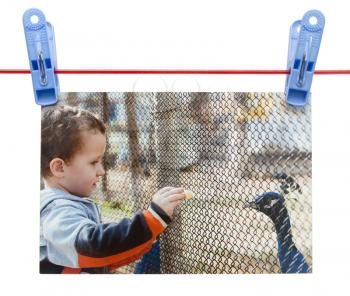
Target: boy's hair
{"x": 60, "y": 133}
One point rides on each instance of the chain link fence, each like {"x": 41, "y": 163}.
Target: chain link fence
{"x": 227, "y": 148}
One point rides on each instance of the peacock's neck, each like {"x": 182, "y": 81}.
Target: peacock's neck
{"x": 290, "y": 258}
{"x": 283, "y": 227}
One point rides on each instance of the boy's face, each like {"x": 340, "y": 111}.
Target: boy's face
{"x": 82, "y": 171}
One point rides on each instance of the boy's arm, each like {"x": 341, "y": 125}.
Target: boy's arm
{"x": 76, "y": 241}
{"x": 117, "y": 244}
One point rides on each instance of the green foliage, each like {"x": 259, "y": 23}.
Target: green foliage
{"x": 114, "y": 209}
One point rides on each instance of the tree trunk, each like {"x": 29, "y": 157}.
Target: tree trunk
{"x": 134, "y": 148}
{"x": 105, "y": 119}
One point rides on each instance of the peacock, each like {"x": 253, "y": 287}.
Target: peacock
{"x": 273, "y": 205}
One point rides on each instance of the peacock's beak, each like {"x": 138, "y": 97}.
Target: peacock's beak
{"x": 251, "y": 205}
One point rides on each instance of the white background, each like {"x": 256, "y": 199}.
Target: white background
{"x": 173, "y": 35}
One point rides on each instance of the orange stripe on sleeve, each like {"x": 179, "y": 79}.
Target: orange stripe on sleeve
{"x": 154, "y": 224}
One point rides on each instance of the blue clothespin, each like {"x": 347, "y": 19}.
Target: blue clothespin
{"x": 41, "y": 48}
{"x": 304, "y": 42}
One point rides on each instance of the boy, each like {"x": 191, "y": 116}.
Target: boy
{"x": 72, "y": 237}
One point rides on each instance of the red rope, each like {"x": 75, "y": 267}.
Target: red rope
{"x": 211, "y": 72}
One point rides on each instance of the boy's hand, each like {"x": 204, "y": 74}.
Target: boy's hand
{"x": 168, "y": 198}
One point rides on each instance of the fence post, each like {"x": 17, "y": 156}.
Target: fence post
{"x": 168, "y": 166}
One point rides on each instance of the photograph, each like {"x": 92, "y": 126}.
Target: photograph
{"x": 175, "y": 183}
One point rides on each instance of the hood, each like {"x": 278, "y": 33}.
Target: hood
{"x": 50, "y": 194}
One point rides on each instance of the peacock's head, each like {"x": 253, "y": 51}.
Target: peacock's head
{"x": 270, "y": 203}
